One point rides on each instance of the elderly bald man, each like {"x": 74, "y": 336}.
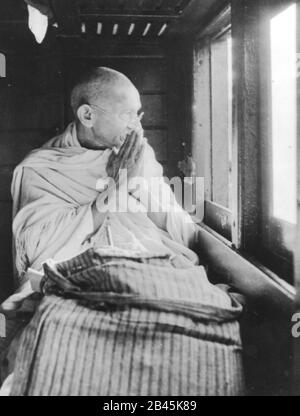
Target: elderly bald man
{"x": 57, "y": 206}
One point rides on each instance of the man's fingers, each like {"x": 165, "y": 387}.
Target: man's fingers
{"x": 129, "y": 156}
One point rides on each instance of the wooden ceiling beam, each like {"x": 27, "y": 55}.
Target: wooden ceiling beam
{"x": 196, "y": 15}
{"x": 127, "y": 17}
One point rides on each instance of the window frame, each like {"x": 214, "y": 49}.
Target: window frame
{"x": 216, "y": 216}
{"x": 246, "y": 157}
{"x": 271, "y": 250}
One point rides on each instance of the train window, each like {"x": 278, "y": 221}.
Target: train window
{"x": 278, "y": 130}
{"x": 283, "y": 135}
{"x": 221, "y": 116}
{"x": 213, "y": 73}
{"x": 245, "y": 106}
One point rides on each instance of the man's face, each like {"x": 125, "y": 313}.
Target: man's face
{"x": 117, "y": 118}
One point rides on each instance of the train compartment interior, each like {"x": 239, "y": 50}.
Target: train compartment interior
{"x": 206, "y": 72}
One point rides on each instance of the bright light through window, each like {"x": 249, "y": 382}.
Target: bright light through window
{"x": 284, "y": 133}
{"x": 221, "y": 118}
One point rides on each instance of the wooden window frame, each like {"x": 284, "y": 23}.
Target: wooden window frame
{"x": 216, "y": 216}
{"x": 246, "y": 166}
{"x": 270, "y": 249}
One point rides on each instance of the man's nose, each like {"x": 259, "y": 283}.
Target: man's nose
{"x": 135, "y": 122}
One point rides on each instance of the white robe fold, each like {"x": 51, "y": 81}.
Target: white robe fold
{"x": 53, "y": 190}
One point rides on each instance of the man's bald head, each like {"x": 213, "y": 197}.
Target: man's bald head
{"x": 106, "y": 106}
{"x": 100, "y": 84}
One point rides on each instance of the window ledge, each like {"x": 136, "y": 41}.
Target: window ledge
{"x": 251, "y": 279}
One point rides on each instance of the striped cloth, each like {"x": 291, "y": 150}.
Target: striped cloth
{"x": 14, "y": 326}
{"x": 116, "y": 324}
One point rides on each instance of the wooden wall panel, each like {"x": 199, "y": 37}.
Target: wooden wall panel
{"x": 34, "y": 75}
{"x": 15, "y": 144}
{"x": 31, "y": 111}
{"x": 5, "y": 228}
{"x": 23, "y": 112}
{"x": 6, "y": 280}
{"x": 158, "y": 140}
{"x": 6, "y": 172}
{"x": 154, "y": 107}
{"x": 179, "y": 102}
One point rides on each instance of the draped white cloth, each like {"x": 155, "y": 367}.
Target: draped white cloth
{"x": 53, "y": 189}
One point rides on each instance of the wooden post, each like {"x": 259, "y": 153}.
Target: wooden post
{"x": 245, "y": 124}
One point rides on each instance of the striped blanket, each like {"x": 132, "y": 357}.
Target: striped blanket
{"x": 114, "y": 323}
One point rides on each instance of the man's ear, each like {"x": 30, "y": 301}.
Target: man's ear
{"x": 85, "y": 115}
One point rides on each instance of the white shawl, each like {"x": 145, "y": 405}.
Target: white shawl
{"x": 53, "y": 189}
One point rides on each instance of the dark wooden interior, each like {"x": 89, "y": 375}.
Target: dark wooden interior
{"x": 34, "y": 93}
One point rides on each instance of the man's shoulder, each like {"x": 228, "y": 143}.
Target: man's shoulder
{"x": 52, "y": 150}
{"x": 37, "y": 151}
{"x": 55, "y": 142}
{"x": 31, "y": 158}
